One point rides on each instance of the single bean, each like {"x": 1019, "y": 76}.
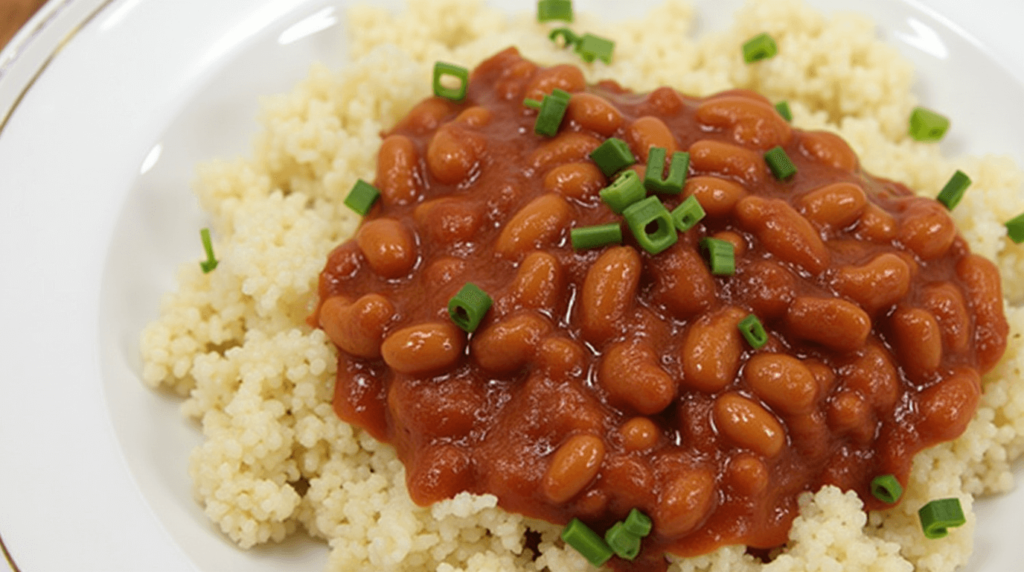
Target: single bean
{"x": 687, "y": 498}
{"x": 398, "y": 178}
{"x": 565, "y": 77}
{"x": 639, "y": 434}
{"x": 631, "y": 375}
{"x": 594, "y": 113}
{"x": 981, "y": 282}
{"x": 770, "y": 288}
{"x": 831, "y": 322}
{"x": 716, "y": 196}
{"x": 752, "y": 122}
{"x": 782, "y": 381}
{"x": 876, "y": 225}
{"x": 357, "y": 327}
{"x": 440, "y": 472}
{"x": 609, "y": 293}
{"x": 878, "y": 284}
{"x": 834, "y": 206}
{"x": 389, "y": 247}
{"x": 748, "y": 424}
{"x": 665, "y": 101}
{"x": 711, "y": 350}
{"x": 647, "y": 132}
{"x": 507, "y": 345}
{"x": 454, "y": 152}
{"x": 537, "y": 225}
{"x": 427, "y": 115}
{"x": 709, "y": 157}
{"x": 573, "y": 466}
{"x": 539, "y": 281}
{"x": 926, "y": 228}
{"x": 783, "y": 232}
{"x": 874, "y": 376}
{"x": 561, "y": 358}
{"x": 475, "y": 116}
{"x": 916, "y": 338}
{"x": 566, "y": 147}
{"x": 682, "y": 282}
{"x": 444, "y": 270}
{"x": 423, "y": 348}
{"x": 947, "y": 303}
{"x": 743, "y": 93}
{"x": 449, "y": 220}
{"x": 747, "y": 475}
{"x": 580, "y": 181}
{"x": 948, "y": 406}
{"x": 849, "y": 413}
{"x": 829, "y": 149}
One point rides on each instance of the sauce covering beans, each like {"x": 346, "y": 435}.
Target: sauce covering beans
{"x": 607, "y": 379}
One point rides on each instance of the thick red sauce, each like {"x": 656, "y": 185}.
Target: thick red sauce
{"x": 607, "y": 379}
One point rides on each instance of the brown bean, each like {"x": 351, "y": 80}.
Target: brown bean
{"x": 475, "y": 116}
{"x": 708, "y": 157}
{"x": 711, "y": 350}
{"x": 829, "y": 149}
{"x": 561, "y": 358}
{"x": 608, "y": 293}
{"x": 563, "y": 76}
{"x": 917, "y": 341}
{"x": 743, "y": 93}
{"x": 665, "y": 100}
{"x": 948, "y": 406}
{"x": 878, "y": 284}
{"x": 946, "y": 302}
{"x": 738, "y": 242}
{"x": 357, "y": 327}
{"x": 849, "y": 413}
{"x": 573, "y": 466}
{"x": 538, "y": 224}
{"x": 539, "y": 281}
{"x": 423, "y": 348}
{"x": 748, "y": 424}
{"x": 874, "y": 376}
{"x": 647, "y": 132}
{"x": 747, "y": 475}
{"x": 594, "y": 113}
{"x": 566, "y": 147}
{"x": 440, "y": 472}
{"x": 449, "y": 220}
{"x": 398, "y": 178}
{"x": 834, "y": 206}
{"x": 926, "y": 228}
{"x": 580, "y": 181}
{"x": 506, "y": 345}
{"x": 982, "y": 285}
{"x": 389, "y": 247}
{"x": 876, "y": 225}
{"x": 454, "y": 152}
{"x": 686, "y": 501}
{"x": 631, "y": 375}
{"x": 783, "y": 232}
{"x": 831, "y": 322}
{"x": 752, "y": 122}
{"x": 682, "y": 282}
{"x": 716, "y": 196}
{"x": 639, "y": 434}
{"x": 782, "y": 381}
{"x": 770, "y": 289}
{"x": 427, "y": 115}
{"x": 444, "y": 270}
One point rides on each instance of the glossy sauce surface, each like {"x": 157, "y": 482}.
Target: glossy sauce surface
{"x": 607, "y": 379}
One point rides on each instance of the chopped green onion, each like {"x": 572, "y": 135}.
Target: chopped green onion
{"x": 460, "y": 73}
{"x": 552, "y": 110}
{"x": 587, "y": 542}
{"x": 753, "y": 331}
{"x": 468, "y": 306}
{"x": 926, "y": 125}
{"x": 938, "y": 516}
{"x": 591, "y": 47}
{"x": 625, "y": 544}
{"x": 886, "y": 488}
{"x": 612, "y": 156}
{"x": 1015, "y": 229}
{"x": 569, "y": 38}
{"x": 596, "y": 236}
{"x": 651, "y": 224}
{"x": 779, "y": 163}
{"x": 638, "y": 523}
{"x": 210, "y": 263}
{"x": 671, "y": 184}
{"x": 783, "y": 108}
{"x": 624, "y": 191}
{"x": 760, "y": 47}
{"x": 951, "y": 194}
{"x": 721, "y": 256}
{"x": 532, "y": 103}
{"x": 361, "y": 198}
{"x": 548, "y": 10}
{"x": 687, "y": 214}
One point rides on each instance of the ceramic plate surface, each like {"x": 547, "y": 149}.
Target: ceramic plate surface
{"x": 106, "y": 106}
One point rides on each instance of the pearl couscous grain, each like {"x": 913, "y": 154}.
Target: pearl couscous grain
{"x": 235, "y": 343}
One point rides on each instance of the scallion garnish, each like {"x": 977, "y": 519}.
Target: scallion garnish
{"x": 569, "y": 38}
{"x": 1015, "y": 229}
{"x": 548, "y": 10}
{"x": 687, "y": 214}
{"x": 552, "y": 110}
{"x": 779, "y": 163}
{"x": 671, "y": 184}
{"x": 753, "y": 331}
{"x": 624, "y": 191}
{"x": 468, "y": 306}
{"x": 938, "y": 516}
{"x": 532, "y": 103}
{"x": 586, "y": 237}
{"x": 721, "y": 255}
{"x": 361, "y": 198}
{"x": 760, "y": 47}
{"x": 612, "y": 156}
{"x": 591, "y": 47}
{"x": 651, "y": 224}
{"x": 783, "y": 108}
{"x": 210, "y": 263}
{"x": 638, "y": 523}
{"x": 953, "y": 191}
{"x": 587, "y": 542}
{"x": 926, "y": 125}
{"x": 460, "y": 73}
{"x": 886, "y": 488}
{"x": 625, "y": 544}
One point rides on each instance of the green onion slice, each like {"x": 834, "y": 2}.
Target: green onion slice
{"x": 468, "y": 307}
{"x": 687, "y": 214}
{"x": 938, "y": 516}
{"x": 361, "y": 198}
{"x": 951, "y": 194}
{"x": 552, "y": 110}
{"x": 591, "y": 47}
{"x": 586, "y": 237}
{"x": 548, "y": 10}
{"x": 587, "y": 542}
{"x": 460, "y": 73}
{"x": 651, "y": 224}
{"x": 1015, "y": 229}
{"x": 783, "y": 108}
{"x": 612, "y": 156}
{"x": 638, "y": 523}
{"x": 760, "y": 47}
{"x": 532, "y": 103}
{"x": 624, "y": 191}
{"x": 753, "y": 331}
{"x": 721, "y": 256}
{"x": 779, "y": 163}
{"x": 886, "y": 488}
{"x": 569, "y": 38}
{"x": 210, "y": 263}
{"x": 625, "y": 544}
{"x": 926, "y": 125}
{"x": 671, "y": 184}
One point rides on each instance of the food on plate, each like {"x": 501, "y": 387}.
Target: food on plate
{"x": 583, "y": 392}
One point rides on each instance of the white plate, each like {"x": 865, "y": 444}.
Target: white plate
{"x": 98, "y": 142}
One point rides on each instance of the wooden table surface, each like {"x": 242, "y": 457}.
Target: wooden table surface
{"x": 14, "y": 13}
